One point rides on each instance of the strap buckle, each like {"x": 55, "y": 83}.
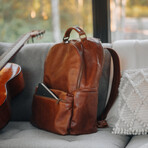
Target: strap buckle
{"x": 102, "y": 124}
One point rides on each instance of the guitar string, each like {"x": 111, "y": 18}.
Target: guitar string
{"x": 16, "y": 47}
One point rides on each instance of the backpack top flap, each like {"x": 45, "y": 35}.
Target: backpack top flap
{"x": 75, "y": 64}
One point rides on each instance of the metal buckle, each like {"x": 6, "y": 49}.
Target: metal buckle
{"x": 83, "y": 36}
{"x": 65, "y": 39}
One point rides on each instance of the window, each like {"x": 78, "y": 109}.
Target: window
{"x": 112, "y": 19}
{"x": 19, "y": 17}
{"x": 129, "y": 19}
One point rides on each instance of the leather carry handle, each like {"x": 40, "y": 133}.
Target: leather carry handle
{"x": 81, "y": 33}
{"x": 115, "y": 83}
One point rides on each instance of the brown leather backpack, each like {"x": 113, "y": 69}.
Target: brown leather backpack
{"x": 72, "y": 71}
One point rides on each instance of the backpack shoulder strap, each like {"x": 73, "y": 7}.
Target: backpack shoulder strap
{"x": 114, "y": 88}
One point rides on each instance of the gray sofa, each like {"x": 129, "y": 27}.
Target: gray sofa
{"x": 19, "y": 133}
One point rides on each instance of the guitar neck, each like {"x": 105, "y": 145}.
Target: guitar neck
{"x": 6, "y": 56}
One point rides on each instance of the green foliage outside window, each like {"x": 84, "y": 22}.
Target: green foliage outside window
{"x": 137, "y": 8}
{"x": 21, "y": 16}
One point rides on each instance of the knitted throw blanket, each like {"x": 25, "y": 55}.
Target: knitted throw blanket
{"x": 133, "y": 103}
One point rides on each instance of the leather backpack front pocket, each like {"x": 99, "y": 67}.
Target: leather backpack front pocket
{"x": 51, "y": 114}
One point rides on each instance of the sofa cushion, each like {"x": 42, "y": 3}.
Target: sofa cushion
{"x": 133, "y": 102}
{"x": 138, "y": 142}
{"x": 31, "y": 58}
{"x": 24, "y": 135}
{"x": 133, "y": 55}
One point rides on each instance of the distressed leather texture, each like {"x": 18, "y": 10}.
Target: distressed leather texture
{"x": 33, "y": 70}
{"x": 74, "y": 68}
{"x": 23, "y": 134}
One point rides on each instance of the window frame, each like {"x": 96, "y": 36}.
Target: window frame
{"x": 101, "y": 20}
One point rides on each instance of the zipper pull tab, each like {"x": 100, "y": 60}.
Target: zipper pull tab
{"x": 58, "y": 100}
{"x": 70, "y": 95}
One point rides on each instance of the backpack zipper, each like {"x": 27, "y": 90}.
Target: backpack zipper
{"x": 81, "y": 68}
{"x": 81, "y": 71}
{"x": 80, "y": 76}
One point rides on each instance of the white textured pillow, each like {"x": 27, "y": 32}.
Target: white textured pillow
{"x": 133, "y": 103}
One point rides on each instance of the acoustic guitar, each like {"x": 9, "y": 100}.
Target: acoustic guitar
{"x": 11, "y": 77}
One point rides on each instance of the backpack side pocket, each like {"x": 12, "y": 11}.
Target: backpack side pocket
{"x": 51, "y": 114}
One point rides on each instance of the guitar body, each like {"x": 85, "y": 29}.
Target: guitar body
{"x": 11, "y": 83}
{"x": 11, "y": 77}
